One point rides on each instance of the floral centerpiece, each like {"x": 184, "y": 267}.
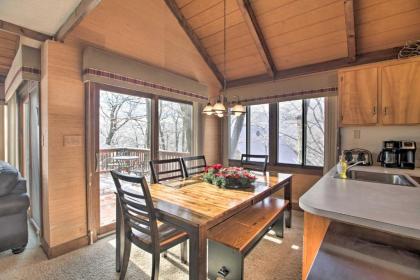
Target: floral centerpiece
{"x": 228, "y": 177}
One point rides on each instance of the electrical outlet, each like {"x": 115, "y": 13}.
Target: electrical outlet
{"x": 356, "y": 134}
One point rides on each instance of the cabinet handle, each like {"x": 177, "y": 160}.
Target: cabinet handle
{"x": 374, "y": 110}
{"x": 385, "y": 110}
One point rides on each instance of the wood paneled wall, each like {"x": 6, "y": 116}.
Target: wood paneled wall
{"x": 212, "y": 139}
{"x": 2, "y": 132}
{"x": 63, "y": 144}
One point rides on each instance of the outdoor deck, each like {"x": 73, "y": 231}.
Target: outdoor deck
{"x": 132, "y": 160}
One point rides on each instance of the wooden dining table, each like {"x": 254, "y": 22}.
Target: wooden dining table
{"x": 198, "y": 206}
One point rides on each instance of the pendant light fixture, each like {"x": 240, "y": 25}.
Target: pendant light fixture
{"x": 208, "y": 110}
{"x": 238, "y": 109}
{"x": 219, "y": 108}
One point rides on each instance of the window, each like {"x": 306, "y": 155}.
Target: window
{"x": 315, "y": 123}
{"x": 175, "y": 129}
{"x": 290, "y": 136}
{"x": 258, "y": 144}
{"x": 249, "y": 132}
{"x": 237, "y": 139}
{"x": 301, "y": 132}
{"x": 299, "y": 128}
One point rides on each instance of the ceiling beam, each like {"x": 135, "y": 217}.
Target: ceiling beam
{"x": 371, "y": 57}
{"x": 81, "y": 11}
{"x": 350, "y": 29}
{"x": 256, "y": 33}
{"x": 22, "y": 31}
{"x": 194, "y": 39}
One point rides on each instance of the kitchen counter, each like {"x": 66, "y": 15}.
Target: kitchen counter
{"x": 389, "y": 208}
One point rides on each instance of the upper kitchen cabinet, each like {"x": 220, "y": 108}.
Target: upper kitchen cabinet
{"x": 385, "y": 93}
{"x": 359, "y": 96}
{"x": 401, "y": 93}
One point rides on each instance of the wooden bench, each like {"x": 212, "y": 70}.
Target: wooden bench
{"x": 230, "y": 241}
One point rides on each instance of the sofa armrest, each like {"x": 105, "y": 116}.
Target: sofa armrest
{"x": 20, "y": 187}
{"x": 13, "y": 204}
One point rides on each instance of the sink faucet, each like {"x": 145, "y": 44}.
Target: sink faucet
{"x": 343, "y": 168}
{"x": 354, "y": 164}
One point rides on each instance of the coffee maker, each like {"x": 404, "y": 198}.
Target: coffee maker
{"x": 407, "y": 155}
{"x": 389, "y": 156}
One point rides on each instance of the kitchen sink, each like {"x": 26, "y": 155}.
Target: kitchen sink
{"x": 384, "y": 178}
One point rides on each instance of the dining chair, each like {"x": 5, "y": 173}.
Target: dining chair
{"x": 194, "y": 165}
{"x": 166, "y": 169}
{"x": 140, "y": 223}
{"x": 255, "y": 162}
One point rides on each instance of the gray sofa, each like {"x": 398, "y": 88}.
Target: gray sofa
{"x": 14, "y": 204}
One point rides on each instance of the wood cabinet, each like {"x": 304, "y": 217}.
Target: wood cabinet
{"x": 385, "y": 93}
{"x": 401, "y": 93}
{"x": 359, "y": 96}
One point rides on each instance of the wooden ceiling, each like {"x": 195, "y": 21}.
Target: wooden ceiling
{"x": 265, "y": 39}
{"x": 300, "y": 32}
{"x": 9, "y": 44}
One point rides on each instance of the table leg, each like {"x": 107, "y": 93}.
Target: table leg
{"x": 288, "y": 196}
{"x": 198, "y": 254}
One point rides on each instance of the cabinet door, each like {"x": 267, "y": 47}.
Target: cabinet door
{"x": 401, "y": 93}
{"x": 359, "y": 96}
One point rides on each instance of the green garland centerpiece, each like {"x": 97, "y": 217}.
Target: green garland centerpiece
{"x": 228, "y": 177}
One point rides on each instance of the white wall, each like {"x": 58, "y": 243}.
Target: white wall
{"x": 371, "y": 138}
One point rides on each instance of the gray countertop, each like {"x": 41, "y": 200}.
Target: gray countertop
{"x": 394, "y": 209}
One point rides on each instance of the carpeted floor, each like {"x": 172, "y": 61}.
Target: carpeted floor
{"x": 272, "y": 258}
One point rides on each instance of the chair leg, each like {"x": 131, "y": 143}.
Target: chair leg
{"x": 155, "y": 266}
{"x": 126, "y": 258}
{"x": 165, "y": 254}
{"x": 184, "y": 252}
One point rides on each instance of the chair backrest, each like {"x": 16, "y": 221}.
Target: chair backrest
{"x": 166, "y": 169}
{"x": 137, "y": 207}
{"x": 255, "y": 162}
{"x": 194, "y": 165}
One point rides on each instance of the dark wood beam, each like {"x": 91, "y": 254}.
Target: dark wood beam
{"x": 19, "y": 30}
{"x": 194, "y": 39}
{"x": 256, "y": 33}
{"x": 81, "y": 11}
{"x": 371, "y": 57}
{"x": 350, "y": 29}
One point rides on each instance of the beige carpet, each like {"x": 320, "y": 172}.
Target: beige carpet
{"x": 272, "y": 258}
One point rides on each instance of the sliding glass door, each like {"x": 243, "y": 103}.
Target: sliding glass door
{"x": 125, "y": 130}
{"x": 124, "y": 144}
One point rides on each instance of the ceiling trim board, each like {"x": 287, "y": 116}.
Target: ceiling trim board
{"x": 350, "y": 29}
{"x": 335, "y": 64}
{"x": 194, "y": 39}
{"x": 81, "y": 11}
{"x": 22, "y": 31}
{"x": 257, "y": 35}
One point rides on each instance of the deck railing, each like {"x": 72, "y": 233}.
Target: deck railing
{"x": 110, "y": 159}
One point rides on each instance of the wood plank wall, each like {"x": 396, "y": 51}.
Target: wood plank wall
{"x": 212, "y": 139}
{"x": 2, "y": 132}
{"x": 63, "y": 144}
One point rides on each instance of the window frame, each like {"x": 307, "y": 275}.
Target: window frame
{"x": 273, "y": 123}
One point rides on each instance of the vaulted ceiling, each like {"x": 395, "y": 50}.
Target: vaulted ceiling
{"x": 265, "y": 39}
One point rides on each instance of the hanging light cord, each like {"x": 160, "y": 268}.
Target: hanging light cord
{"x": 224, "y": 46}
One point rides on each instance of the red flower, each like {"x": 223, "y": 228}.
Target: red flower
{"x": 217, "y": 166}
